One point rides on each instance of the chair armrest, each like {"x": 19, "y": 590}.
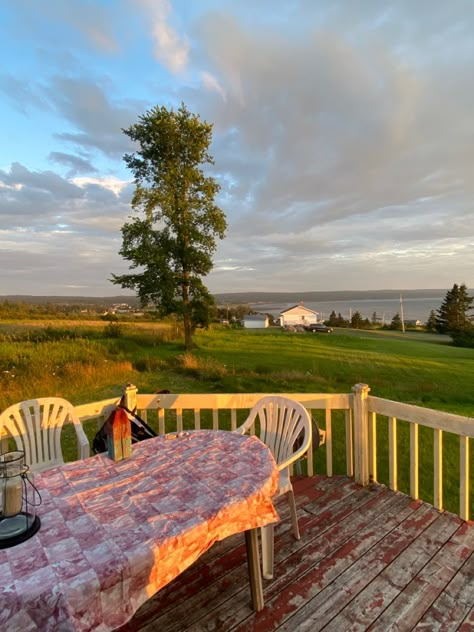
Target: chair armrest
{"x": 248, "y": 423}
{"x": 83, "y": 448}
{"x": 294, "y": 457}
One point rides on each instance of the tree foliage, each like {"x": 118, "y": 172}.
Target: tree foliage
{"x": 170, "y": 245}
{"x": 396, "y": 323}
{"x": 453, "y": 315}
{"x": 431, "y": 322}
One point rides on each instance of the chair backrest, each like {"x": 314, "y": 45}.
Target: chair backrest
{"x": 285, "y": 427}
{"x": 36, "y": 426}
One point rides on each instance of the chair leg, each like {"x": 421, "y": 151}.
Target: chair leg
{"x": 267, "y": 533}
{"x": 294, "y": 519}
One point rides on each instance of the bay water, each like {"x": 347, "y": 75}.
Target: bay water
{"x": 385, "y": 309}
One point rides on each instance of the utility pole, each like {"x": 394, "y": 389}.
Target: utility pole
{"x": 401, "y": 314}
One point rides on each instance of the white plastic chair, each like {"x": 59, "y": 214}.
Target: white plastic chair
{"x": 36, "y": 427}
{"x": 285, "y": 427}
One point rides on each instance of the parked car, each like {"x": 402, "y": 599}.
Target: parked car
{"x": 316, "y": 328}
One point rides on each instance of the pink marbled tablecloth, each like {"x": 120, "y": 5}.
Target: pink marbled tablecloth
{"x": 114, "y": 533}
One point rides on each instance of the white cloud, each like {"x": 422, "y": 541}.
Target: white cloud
{"x": 110, "y": 183}
{"x": 171, "y": 49}
{"x": 210, "y": 82}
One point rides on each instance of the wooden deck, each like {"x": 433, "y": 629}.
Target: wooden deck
{"x": 368, "y": 559}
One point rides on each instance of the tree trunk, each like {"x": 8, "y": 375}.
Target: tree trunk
{"x": 187, "y": 322}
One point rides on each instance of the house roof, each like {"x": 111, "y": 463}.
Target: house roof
{"x": 306, "y": 309}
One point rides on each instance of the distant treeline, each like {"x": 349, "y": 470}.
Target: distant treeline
{"x": 82, "y": 301}
{"x": 347, "y": 295}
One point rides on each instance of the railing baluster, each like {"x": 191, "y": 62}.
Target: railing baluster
{"x": 349, "y": 444}
{"x": 179, "y": 420}
{"x": 373, "y": 446}
{"x": 197, "y": 418}
{"x": 392, "y": 448}
{"x": 438, "y": 469}
{"x": 233, "y": 419}
{"x": 161, "y": 421}
{"x": 328, "y": 442}
{"x": 414, "y": 461}
{"x": 215, "y": 419}
{"x": 309, "y": 459}
{"x": 464, "y": 478}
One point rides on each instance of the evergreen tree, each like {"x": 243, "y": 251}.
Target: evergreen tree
{"x": 396, "y": 323}
{"x": 341, "y": 321}
{"x": 431, "y": 322}
{"x": 172, "y": 242}
{"x": 333, "y": 322}
{"x": 356, "y": 320}
{"x": 453, "y": 316}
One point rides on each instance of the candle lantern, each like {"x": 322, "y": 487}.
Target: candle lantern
{"x": 18, "y": 499}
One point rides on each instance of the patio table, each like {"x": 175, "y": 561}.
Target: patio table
{"x": 114, "y": 532}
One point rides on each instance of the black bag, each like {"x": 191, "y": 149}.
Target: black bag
{"x": 140, "y": 430}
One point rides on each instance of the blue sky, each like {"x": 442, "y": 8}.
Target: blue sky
{"x": 343, "y": 137}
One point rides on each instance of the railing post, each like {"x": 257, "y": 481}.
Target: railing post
{"x": 130, "y": 396}
{"x": 361, "y": 434}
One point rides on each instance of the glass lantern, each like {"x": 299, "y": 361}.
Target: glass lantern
{"x": 18, "y": 500}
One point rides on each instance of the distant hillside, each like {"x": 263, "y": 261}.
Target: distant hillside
{"x": 235, "y": 298}
{"x": 345, "y": 295}
{"x": 70, "y": 300}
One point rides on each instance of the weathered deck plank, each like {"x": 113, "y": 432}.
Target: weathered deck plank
{"x": 368, "y": 559}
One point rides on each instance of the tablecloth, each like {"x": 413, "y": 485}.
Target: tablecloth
{"x": 114, "y": 533}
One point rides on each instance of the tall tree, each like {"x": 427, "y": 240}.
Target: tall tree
{"x": 453, "y": 315}
{"x": 431, "y": 322}
{"x": 396, "y": 322}
{"x": 171, "y": 243}
{"x": 356, "y": 320}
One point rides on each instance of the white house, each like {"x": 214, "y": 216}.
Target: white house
{"x": 298, "y": 315}
{"x": 256, "y": 321}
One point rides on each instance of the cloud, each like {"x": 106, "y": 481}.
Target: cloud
{"x": 38, "y": 201}
{"x": 211, "y": 83}
{"x": 339, "y": 130}
{"x": 75, "y": 163}
{"x": 171, "y": 49}
{"x": 89, "y": 20}
{"x": 90, "y": 110}
{"x": 57, "y": 232}
{"x": 21, "y": 94}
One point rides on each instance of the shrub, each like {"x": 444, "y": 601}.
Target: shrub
{"x": 113, "y": 330}
{"x": 463, "y": 338}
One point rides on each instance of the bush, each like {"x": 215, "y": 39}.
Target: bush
{"x": 113, "y": 330}
{"x": 463, "y": 338}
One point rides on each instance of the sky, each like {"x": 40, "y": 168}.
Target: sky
{"x": 343, "y": 138}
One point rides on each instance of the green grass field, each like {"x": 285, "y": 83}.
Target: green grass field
{"x": 84, "y": 363}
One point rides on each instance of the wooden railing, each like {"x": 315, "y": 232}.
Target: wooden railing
{"x": 177, "y": 412}
{"x": 439, "y": 422}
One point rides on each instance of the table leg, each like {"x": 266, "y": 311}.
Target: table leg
{"x": 267, "y": 551}
{"x": 255, "y": 576}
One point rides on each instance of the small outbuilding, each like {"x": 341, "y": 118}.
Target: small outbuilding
{"x": 298, "y": 315}
{"x": 256, "y": 321}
